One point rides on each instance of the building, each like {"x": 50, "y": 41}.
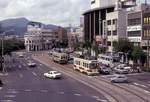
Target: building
{"x": 62, "y": 34}
{"x": 37, "y": 38}
{"x": 138, "y": 25}
{"x": 115, "y": 27}
{"x": 95, "y": 17}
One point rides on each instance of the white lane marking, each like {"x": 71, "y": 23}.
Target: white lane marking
{"x": 140, "y": 85}
{"x": 96, "y": 97}
{"x": 146, "y": 91}
{"x": 20, "y": 75}
{"x": 10, "y": 96}
{"x": 101, "y": 100}
{"x": 12, "y": 92}
{"x": 27, "y": 90}
{"x": 44, "y": 91}
{"x": 6, "y": 101}
{"x": 34, "y": 73}
{"x": 61, "y": 93}
{"x": 1, "y": 88}
{"x": 77, "y": 94}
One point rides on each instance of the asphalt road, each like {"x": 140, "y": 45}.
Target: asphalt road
{"x": 24, "y": 84}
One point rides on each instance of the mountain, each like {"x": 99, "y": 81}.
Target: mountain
{"x": 18, "y": 26}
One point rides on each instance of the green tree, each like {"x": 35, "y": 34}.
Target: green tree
{"x": 138, "y": 55}
{"x": 122, "y": 45}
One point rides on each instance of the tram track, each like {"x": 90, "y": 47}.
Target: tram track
{"x": 113, "y": 91}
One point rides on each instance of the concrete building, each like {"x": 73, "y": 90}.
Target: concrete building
{"x": 138, "y": 25}
{"x": 37, "y": 38}
{"x": 115, "y": 27}
{"x": 95, "y": 17}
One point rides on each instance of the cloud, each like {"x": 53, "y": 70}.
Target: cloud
{"x": 61, "y": 12}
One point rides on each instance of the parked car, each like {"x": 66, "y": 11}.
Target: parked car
{"x": 1, "y": 83}
{"x": 119, "y": 79}
{"x": 121, "y": 70}
{"x": 31, "y": 64}
{"x": 53, "y": 74}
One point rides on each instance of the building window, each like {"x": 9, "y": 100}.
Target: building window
{"x": 109, "y": 43}
{"x": 108, "y": 33}
{"x": 115, "y": 32}
{"x": 134, "y": 33}
{"x": 114, "y": 21}
{"x": 109, "y": 22}
{"x": 93, "y": 1}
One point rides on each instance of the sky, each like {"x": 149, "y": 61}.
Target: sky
{"x": 59, "y": 12}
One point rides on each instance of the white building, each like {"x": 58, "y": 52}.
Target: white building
{"x": 115, "y": 27}
{"x": 37, "y": 38}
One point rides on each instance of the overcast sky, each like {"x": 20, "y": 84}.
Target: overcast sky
{"x": 60, "y": 12}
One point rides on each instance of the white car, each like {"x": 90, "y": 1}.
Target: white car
{"x": 31, "y": 64}
{"x": 53, "y": 74}
{"x": 119, "y": 79}
{"x": 121, "y": 70}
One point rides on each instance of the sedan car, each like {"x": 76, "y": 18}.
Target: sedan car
{"x": 31, "y": 64}
{"x": 121, "y": 70}
{"x": 53, "y": 74}
{"x": 119, "y": 79}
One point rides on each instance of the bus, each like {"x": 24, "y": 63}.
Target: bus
{"x": 60, "y": 57}
{"x": 87, "y": 66}
{"x": 107, "y": 59}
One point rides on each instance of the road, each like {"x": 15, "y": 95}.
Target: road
{"x": 113, "y": 92}
{"x": 24, "y": 84}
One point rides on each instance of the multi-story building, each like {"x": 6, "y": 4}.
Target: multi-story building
{"x": 94, "y": 18}
{"x": 37, "y": 38}
{"x": 138, "y": 25}
{"x": 115, "y": 27}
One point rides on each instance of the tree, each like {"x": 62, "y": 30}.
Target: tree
{"x": 122, "y": 45}
{"x": 138, "y": 55}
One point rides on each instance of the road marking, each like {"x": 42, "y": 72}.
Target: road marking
{"x": 41, "y": 65}
{"x": 101, "y": 100}
{"x": 44, "y": 91}
{"x": 20, "y": 75}
{"x": 140, "y": 85}
{"x": 34, "y": 73}
{"x": 146, "y": 91}
{"x": 10, "y": 96}
{"x": 28, "y": 90}
{"x": 61, "y": 93}
{"x": 6, "y": 101}
{"x": 77, "y": 94}
{"x": 1, "y": 88}
{"x": 13, "y": 91}
{"x": 96, "y": 97}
